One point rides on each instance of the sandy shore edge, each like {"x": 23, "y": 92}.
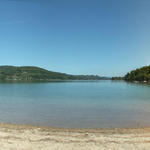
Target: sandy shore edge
{"x": 26, "y": 137}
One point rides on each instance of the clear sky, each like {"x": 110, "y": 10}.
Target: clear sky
{"x": 104, "y": 37}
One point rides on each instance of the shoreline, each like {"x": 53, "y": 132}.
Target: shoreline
{"x": 26, "y": 137}
{"x": 69, "y": 129}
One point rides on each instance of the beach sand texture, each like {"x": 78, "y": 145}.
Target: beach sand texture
{"x": 21, "y": 137}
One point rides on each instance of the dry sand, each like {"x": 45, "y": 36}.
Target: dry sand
{"x": 21, "y": 137}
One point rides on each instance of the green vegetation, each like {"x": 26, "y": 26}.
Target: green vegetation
{"x": 29, "y": 73}
{"x": 117, "y": 78}
{"x": 141, "y": 75}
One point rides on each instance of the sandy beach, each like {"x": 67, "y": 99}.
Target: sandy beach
{"x": 22, "y": 137}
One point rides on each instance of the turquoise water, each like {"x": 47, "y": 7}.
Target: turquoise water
{"x": 93, "y": 104}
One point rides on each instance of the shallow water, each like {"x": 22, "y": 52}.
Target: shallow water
{"x": 82, "y": 104}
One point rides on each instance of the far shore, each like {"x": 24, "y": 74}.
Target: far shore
{"x": 26, "y": 137}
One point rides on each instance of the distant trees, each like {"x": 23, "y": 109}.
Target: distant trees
{"x": 141, "y": 74}
{"x": 117, "y": 78}
{"x": 29, "y": 73}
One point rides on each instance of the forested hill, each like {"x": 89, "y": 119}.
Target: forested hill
{"x": 30, "y": 73}
{"x": 141, "y": 74}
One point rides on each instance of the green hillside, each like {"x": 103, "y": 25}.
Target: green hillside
{"x": 30, "y": 73}
{"x": 141, "y": 74}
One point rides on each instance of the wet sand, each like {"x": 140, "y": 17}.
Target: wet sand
{"x": 23, "y": 137}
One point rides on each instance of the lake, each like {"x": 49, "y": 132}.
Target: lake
{"x": 77, "y": 104}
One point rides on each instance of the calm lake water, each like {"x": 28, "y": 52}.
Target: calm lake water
{"x": 93, "y": 104}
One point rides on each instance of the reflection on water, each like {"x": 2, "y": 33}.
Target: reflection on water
{"x": 78, "y": 104}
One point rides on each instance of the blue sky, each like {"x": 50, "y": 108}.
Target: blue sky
{"x": 104, "y": 37}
